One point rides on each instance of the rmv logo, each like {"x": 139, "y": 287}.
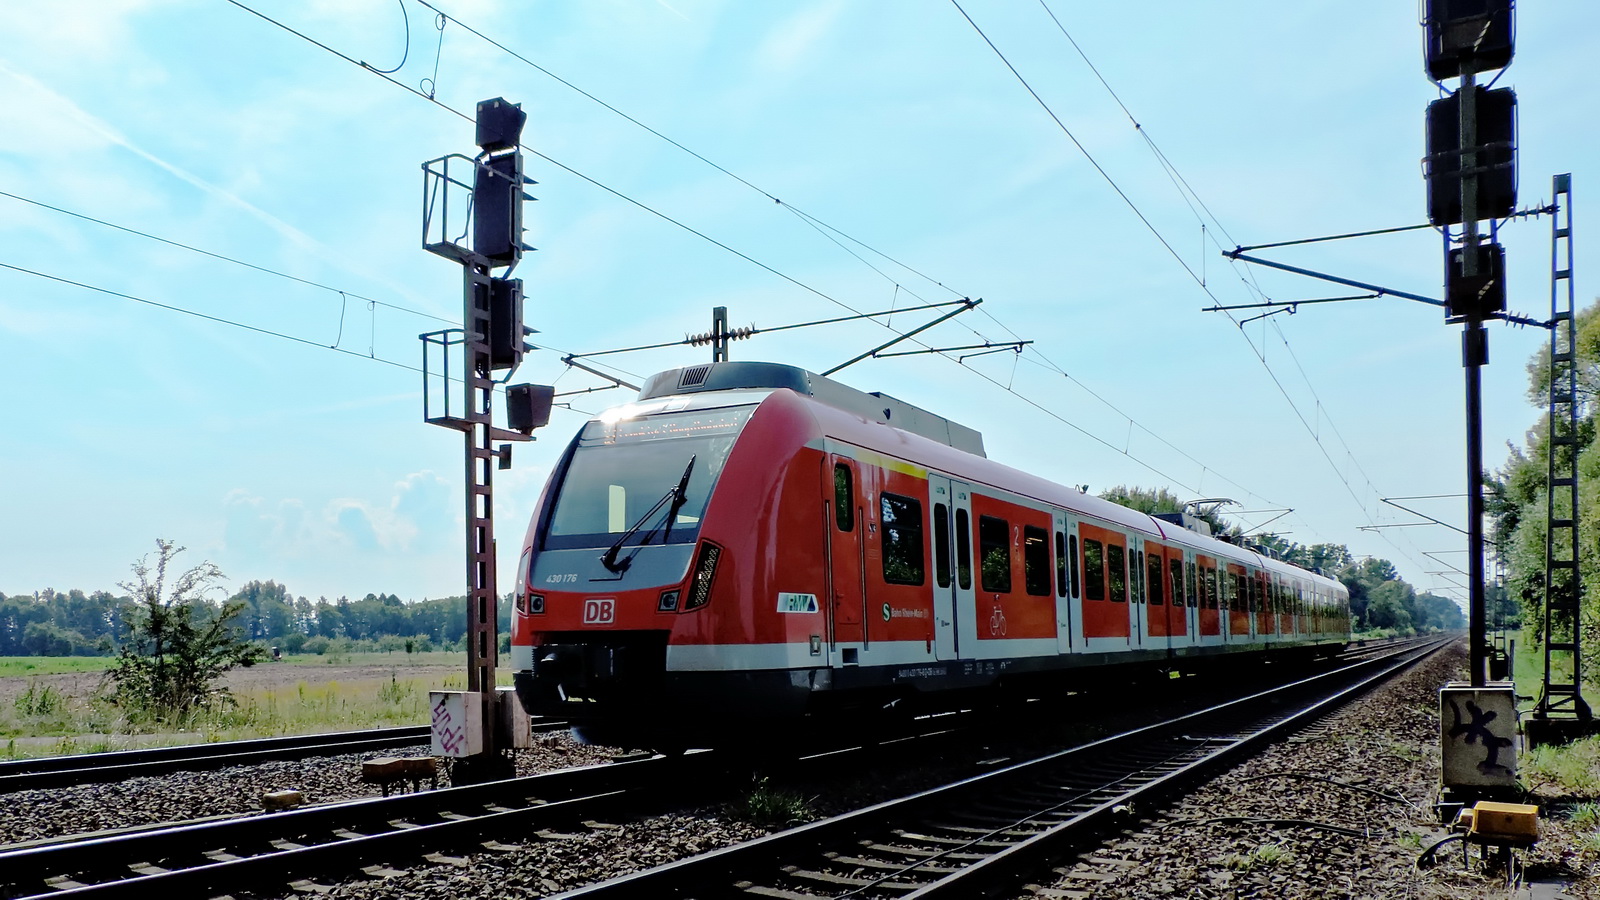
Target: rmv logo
{"x": 599, "y": 612}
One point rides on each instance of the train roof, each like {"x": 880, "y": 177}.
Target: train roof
{"x": 873, "y": 406}
{"x": 929, "y": 439}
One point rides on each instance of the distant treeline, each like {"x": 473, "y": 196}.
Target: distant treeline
{"x": 52, "y": 623}
{"x": 1379, "y": 598}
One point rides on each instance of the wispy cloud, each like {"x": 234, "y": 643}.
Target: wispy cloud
{"x": 108, "y": 134}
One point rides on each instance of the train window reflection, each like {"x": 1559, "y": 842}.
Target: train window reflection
{"x": 1117, "y": 573}
{"x": 963, "y": 550}
{"x": 1061, "y": 564}
{"x": 844, "y": 497}
{"x": 1072, "y": 558}
{"x": 902, "y": 539}
{"x": 1094, "y": 570}
{"x": 941, "y": 544}
{"x": 994, "y": 554}
{"x": 1035, "y": 561}
{"x": 618, "y": 470}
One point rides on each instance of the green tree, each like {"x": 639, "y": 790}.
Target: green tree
{"x": 1152, "y": 501}
{"x": 178, "y": 643}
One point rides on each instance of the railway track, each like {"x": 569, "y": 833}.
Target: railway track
{"x": 92, "y": 768}
{"x": 965, "y": 838}
{"x": 213, "y": 857}
{"x": 199, "y": 859}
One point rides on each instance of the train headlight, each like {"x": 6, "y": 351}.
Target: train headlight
{"x": 536, "y": 604}
{"x": 668, "y": 602}
{"x": 705, "y": 570}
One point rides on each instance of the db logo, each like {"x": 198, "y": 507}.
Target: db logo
{"x": 599, "y": 612}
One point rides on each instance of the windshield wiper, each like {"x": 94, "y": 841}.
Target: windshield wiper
{"x": 676, "y": 496}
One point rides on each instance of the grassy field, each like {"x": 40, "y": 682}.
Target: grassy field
{"x": 12, "y": 666}
{"x": 54, "y": 705}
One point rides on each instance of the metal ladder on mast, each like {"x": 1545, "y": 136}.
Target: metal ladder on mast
{"x": 1561, "y": 697}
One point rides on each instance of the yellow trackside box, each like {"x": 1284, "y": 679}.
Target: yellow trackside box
{"x": 1514, "y": 821}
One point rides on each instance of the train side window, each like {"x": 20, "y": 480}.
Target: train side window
{"x": 1136, "y": 574}
{"x": 1094, "y": 570}
{"x": 1189, "y": 585}
{"x": 844, "y": 497}
{"x": 902, "y": 539}
{"x": 1175, "y": 567}
{"x": 994, "y": 554}
{"x": 1212, "y": 600}
{"x": 1154, "y": 581}
{"x": 963, "y": 550}
{"x": 1061, "y": 564}
{"x": 1117, "y": 570}
{"x": 1072, "y": 561}
{"x": 1250, "y": 601}
{"x": 941, "y": 544}
{"x": 1036, "y": 561}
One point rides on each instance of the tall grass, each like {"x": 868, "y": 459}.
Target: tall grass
{"x": 330, "y": 706}
{"x": 1572, "y": 769}
{"x": 90, "y": 724}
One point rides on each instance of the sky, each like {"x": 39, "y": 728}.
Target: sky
{"x": 824, "y": 158}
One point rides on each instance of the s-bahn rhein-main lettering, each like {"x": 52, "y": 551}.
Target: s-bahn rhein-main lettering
{"x": 749, "y": 545}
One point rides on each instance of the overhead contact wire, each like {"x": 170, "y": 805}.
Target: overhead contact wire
{"x": 730, "y": 249}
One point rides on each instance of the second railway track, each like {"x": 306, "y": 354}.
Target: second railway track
{"x": 99, "y": 768}
{"x": 962, "y": 839}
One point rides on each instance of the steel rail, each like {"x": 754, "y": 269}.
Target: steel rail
{"x": 1025, "y": 856}
{"x": 96, "y": 768}
{"x": 219, "y": 855}
{"x": 942, "y": 842}
{"x": 188, "y": 860}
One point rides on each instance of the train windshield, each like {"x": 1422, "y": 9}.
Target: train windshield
{"x": 620, "y": 470}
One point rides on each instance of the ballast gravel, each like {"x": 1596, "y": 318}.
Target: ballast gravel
{"x": 1342, "y": 809}
{"x": 236, "y": 790}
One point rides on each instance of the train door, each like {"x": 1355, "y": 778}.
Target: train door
{"x": 1238, "y": 603}
{"x": 1286, "y": 624}
{"x": 1177, "y": 611}
{"x": 1075, "y": 596}
{"x": 1136, "y": 610}
{"x": 965, "y": 591}
{"x": 1158, "y": 611}
{"x": 1061, "y": 582}
{"x": 945, "y": 580}
{"x": 1191, "y": 595}
{"x": 1105, "y": 585}
{"x": 1210, "y": 614}
{"x": 846, "y": 572}
{"x": 1263, "y": 606}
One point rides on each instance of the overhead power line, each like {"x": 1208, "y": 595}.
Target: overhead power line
{"x": 223, "y": 257}
{"x": 809, "y": 288}
{"x": 832, "y": 233}
{"x": 1186, "y": 191}
{"x": 223, "y": 320}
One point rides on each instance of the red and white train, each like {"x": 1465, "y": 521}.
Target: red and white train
{"x": 751, "y": 542}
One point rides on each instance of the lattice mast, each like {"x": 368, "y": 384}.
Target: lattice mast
{"x": 490, "y": 341}
{"x": 1562, "y": 696}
